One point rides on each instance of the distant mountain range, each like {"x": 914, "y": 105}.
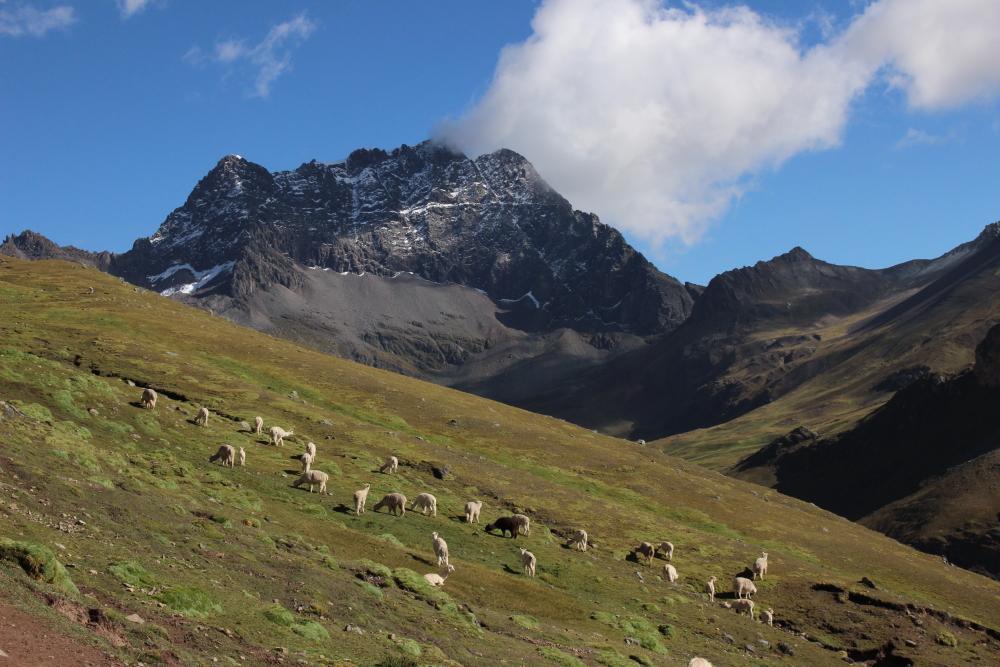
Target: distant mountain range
{"x": 476, "y": 274}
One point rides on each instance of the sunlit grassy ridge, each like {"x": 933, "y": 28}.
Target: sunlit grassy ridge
{"x": 228, "y": 563}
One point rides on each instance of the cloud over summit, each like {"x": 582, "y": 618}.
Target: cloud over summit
{"x": 655, "y": 117}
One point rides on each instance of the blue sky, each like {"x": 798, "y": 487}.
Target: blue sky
{"x": 108, "y": 119}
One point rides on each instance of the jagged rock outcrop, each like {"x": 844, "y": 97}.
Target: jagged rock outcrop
{"x": 31, "y": 245}
{"x": 489, "y": 223}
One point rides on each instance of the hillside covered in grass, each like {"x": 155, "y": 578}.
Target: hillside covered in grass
{"x": 109, "y": 512}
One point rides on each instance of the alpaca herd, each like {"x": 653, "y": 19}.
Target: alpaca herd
{"x": 513, "y": 525}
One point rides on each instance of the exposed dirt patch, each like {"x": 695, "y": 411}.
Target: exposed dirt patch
{"x": 28, "y": 641}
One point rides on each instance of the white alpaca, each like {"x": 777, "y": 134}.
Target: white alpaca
{"x": 579, "y": 540}
{"x": 243, "y": 456}
{"x": 311, "y": 449}
{"x": 390, "y": 466}
{"x": 760, "y": 566}
{"x": 306, "y": 459}
{"x": 202, "y": 417}
{"x": 523, "y": 524}
{"x": 767, "y": 616}
{"x": 666, "y": 548}
{"x": 711, "y": 589}
{"x": 435, "y": 579}
{"x": 670, "y": 572}
{"x": 313, "y": 478}
{"x": 258, "y": 424}
{"x": 149, "y": 398}
{"x": 226, "y": 453}
{"x": 699, "y": 662}
{"x": 360, "y": 498}
{"x": 472, "y": 509}
{"x": 440, "y": 549}
{"x": 278, "y": 435}
{"x": 743, "y": 587}
{"x": 425, "y": 502}
{"x": 528, "y": 562}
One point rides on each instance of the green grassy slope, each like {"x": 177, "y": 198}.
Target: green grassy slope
{"x": 235, "y": 565}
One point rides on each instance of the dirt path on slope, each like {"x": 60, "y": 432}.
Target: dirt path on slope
{"x": 26, "y": 641}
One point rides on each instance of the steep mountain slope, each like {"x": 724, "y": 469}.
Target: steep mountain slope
{"x": 234, "y": 565}
{"x": 754, "y": 335}
{"x": 881, "y": 466}
{"x": 283, "y": 252}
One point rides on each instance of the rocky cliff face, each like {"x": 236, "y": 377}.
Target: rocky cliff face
{"x": 31, "y": 245}
{"x": 489, "y": 223}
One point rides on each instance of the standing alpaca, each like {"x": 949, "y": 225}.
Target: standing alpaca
{"x": 202, "y": 417}
{"x": 390, "y": 466}
{"x": 243, "y": 456}
{"x": 258, "y": 424}
{"x": 360, "y": 498}
{"x": 149, "y": 398}
{"x": 278, "y": 435}
{"x": 528, "y": 562}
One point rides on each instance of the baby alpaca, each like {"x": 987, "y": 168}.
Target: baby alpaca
{"x": 760, "y": 566}
{"x": 148, "y": 398}
{"x": 226, "y": 453}
{"x": 311, "y": 449}
{"x": 744, "y": 605}
{"x": 524, "y": 523}
{"x": 394, "y": 502}
{"x": 699, "y": 662}
{"x": 743, "y": 587}
{"x": 243, "y": 456}
{"x": 472, "y": 509}
{"x": 278, "y": 435}
{"x": 711, "y": 589}
{"x": 670, "y": 572}
{"x": 435, "y": 579}
{"x": 312, "y": 478}
{"x": 767, "y": 616}
{"x": 579, "y": 540}
{"x": 528, "y": 562}
{"x": 202, "y": 418}
{"x": 440, "y": 549}
{"x": 306, "y": 459}
{"x": 425, "y": 502}
{"x": 360, "y": 498}
{"x": 666, "y": 548}
{"x": 390, "y": 466}
{"x": 258, "y": 424}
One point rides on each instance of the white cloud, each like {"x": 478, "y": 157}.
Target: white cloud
{"x": 914, "y": 138}
{"x": 268, "y": 59}
{"x": 29, "y": 20}
{"x": 656, "y": 117}
{"x": 129, "y": 8}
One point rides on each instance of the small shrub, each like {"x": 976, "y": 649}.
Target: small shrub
{"x": 945, "y": 638}
{"x": 189, "y": 601}
{"x": 525, "y": 621}
{"x": 130, "y": 572}
{"x": 311, "y": 630}
{"x": 558, "y": 657}
{"x": 38, "y": 562}
{"x": 279, "y": 615}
